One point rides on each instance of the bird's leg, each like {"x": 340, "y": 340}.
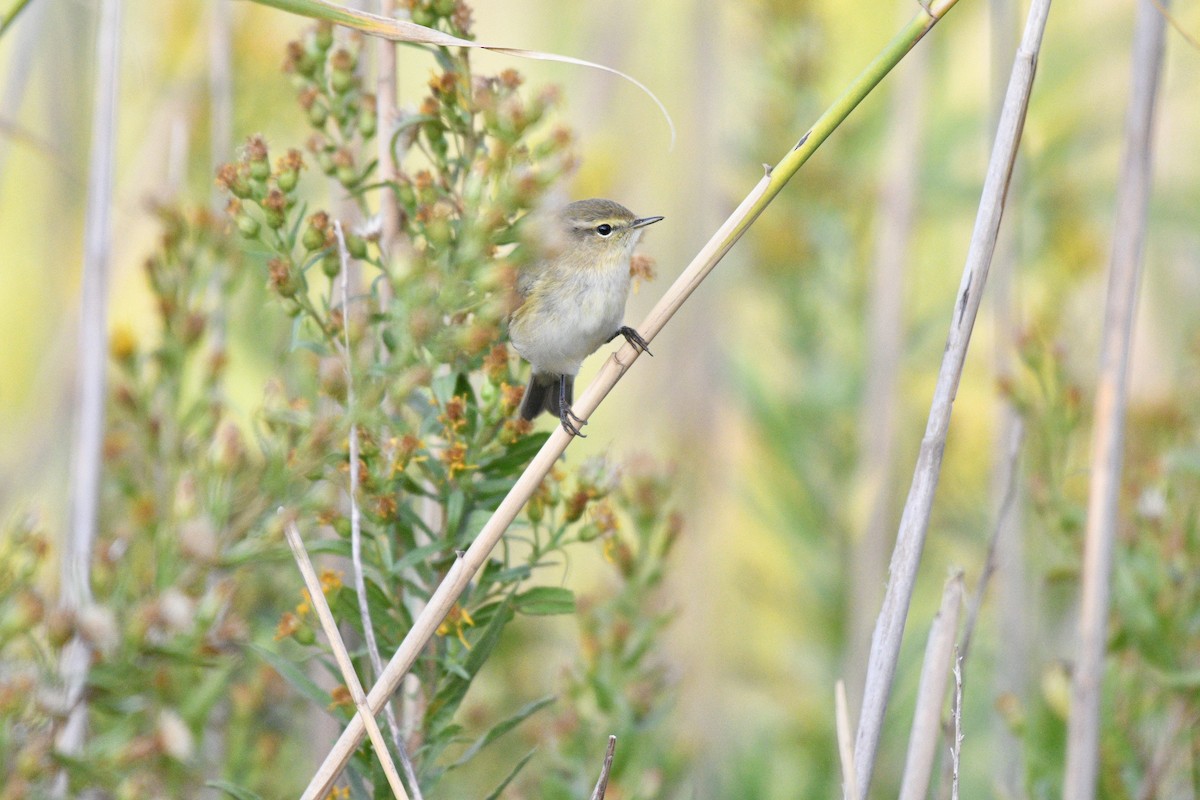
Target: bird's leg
{"x": 634, "y": 338}
{"x": 571, "y": 422}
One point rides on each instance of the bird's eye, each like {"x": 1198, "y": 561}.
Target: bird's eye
{"x": 604, "y": 230}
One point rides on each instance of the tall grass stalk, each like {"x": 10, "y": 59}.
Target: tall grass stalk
{"x": 931, "y": 693}
{"x": 86, "y": 459}
{"x": 1108, "y": 432}
{"x": 895, "y": 216}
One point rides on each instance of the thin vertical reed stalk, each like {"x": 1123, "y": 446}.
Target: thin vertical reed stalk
{"x": 93, "y": 359}
{"x": 914, "y": 523}
{"x": 877, "y": 430}
{"x": 460, "y": 575}
{"x": 931, "y": 693}
{"x": 845, "y": 739}
{"x": 1013, "y": 604}
{"x": 1108, "y": 433}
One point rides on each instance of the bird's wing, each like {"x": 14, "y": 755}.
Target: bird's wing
{"x": 529, "y": 276}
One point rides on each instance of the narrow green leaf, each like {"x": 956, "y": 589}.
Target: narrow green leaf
{"x": 501, "y": 728}
{"x": 515, "y": 456}
{"x": 456, "y": 509}
{"x": 483, "y": 648}
{"x": 448, "y": 698}
{"x": 293, "y": 675}
{"x": 416, "y": 555}
{"x": 495, "y": 794}
{"x": 546, "y": 601}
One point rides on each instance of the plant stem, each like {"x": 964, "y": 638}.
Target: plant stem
{"x": 1108, "y": 435}
{"x": 8, "y": 19}
{"x": 342, "y": 656}
{"x": 86, "y": 461}
{"x": 914, "y": 522}
{"x": 877, "y": 423}
{"x": 931, "y": 693}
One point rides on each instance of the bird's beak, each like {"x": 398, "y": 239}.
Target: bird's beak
{"x": 644, "y": 221}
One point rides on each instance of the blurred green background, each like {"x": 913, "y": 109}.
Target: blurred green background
{"x": 756, "y": 391}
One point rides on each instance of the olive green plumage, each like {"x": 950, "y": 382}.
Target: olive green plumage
{"x": 573, "y": 301}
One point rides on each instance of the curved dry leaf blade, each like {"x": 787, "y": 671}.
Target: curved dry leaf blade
{"x": 399, "y": 30}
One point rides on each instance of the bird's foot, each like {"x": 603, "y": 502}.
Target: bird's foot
{"x": 571, "y": 422}
{"x": 634, "y": 338}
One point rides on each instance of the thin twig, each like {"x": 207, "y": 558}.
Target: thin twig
{"x": 602, "y": 783}
{"x": 457, "y": 579}
{"x": 956, "y": 716}
{"x": 329, "y": 625}
{"x": 845, "y": 738}
{"x": 914, "y": 523}
{"x": 86, "y": 462}
{"x": 1108, "y": 434}
{"x": 931, "y": 693}
{"x": 360, "y": 583}
{"x": 1012, "y": 458}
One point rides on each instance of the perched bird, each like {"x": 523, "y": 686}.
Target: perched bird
{"x": 574, "y": 301}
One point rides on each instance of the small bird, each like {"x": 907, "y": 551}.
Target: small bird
{"x": 573, "y": 301}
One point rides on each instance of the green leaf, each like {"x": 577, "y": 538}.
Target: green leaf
{"x": 501, "y": 728}
{"x": 495, "y": 794}
{"x": 515, "y": 456}
{"x": 494, "y": 572}
{"x": 416, "y": 555}
{"x": 201, "y": 698}
{"x": 546, "y": 601}
{"x": 448, "y": 698}
{"x": 456, "y": 509}
{"x": 233, "y": 790}
{"x": 293, "y": 675}
{"x": 463, "y": 388}
{"x": 490, "y": 638}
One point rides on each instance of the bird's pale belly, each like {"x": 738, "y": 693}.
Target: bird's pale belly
{"x": 560, "y": 331}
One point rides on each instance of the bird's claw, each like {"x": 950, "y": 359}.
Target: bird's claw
{"x": 572, "y": 422}
{"x": 634, "y": 338}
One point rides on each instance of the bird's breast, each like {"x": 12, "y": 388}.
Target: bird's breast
{"x": 564, "y": 321}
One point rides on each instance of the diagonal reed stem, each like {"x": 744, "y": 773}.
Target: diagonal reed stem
{"x": 342, "y": 655}
{"x": 614, "y": 368}
{"x": 914, "y": 522}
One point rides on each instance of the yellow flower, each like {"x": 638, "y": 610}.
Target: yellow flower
{"x": 456, "y": 621}
{"x": 330, "y": 581}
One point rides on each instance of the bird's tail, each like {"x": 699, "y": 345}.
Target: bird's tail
{"x": 542, "y": 394}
